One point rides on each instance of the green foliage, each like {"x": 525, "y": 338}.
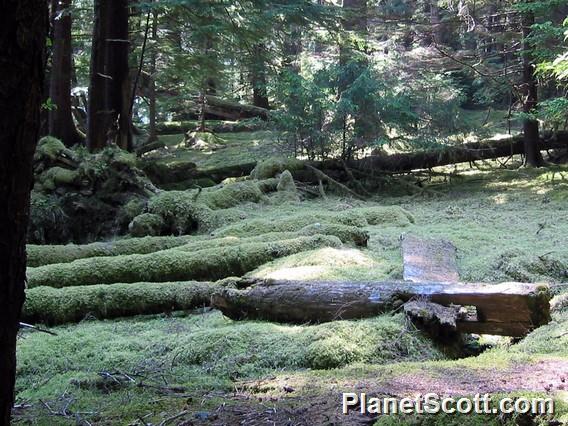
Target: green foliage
{"x": 47, "y": 218}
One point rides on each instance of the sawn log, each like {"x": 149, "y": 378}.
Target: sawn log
{"x": 511, "y": 309}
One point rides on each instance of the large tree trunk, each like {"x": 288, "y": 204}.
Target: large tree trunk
{"x": 23, "y": 31}
{"x": 109, "y": 90}
{"x": 118, "y": 87}
{"x": 152, "y": 133}
{"x": 61, "y": 124}
{"x": 510, "y": 308}
{"x": 97, "y": 121}
{"x": 258, "y": 77}
{"x": 533, "y": 157}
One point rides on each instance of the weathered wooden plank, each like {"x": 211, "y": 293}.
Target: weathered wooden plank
{"x": 429, "y": 260}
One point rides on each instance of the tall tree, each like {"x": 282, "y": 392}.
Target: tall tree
{"x": 533, "y": 156}
{"x": 258, "y": 77}
{"x": 23, "y": 32}
{"x": 109, "y": 118}
{"x": 61, "y": 124}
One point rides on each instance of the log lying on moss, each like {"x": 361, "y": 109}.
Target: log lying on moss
{"x": 39, "y": 255}
{"x": 393, "y": 163}
{"x": 173, "y": 265}
{"x": 72, "y": 304}
{"x": 507, "y": 309}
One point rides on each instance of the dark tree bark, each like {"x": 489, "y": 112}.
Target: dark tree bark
{"x": 533, "y": 157}
{"x": 61, "y": 124}
{"x": 109, "y": 91}
{"x": 258, "y": 78}
{"x": 23, "y": 31}
{"x": 118, "y": 87}
{"x": 97, "y": 121}
{"x": 152, "y": 80}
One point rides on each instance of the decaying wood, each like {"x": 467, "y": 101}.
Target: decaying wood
{"x": 508, "y": 308}
{"x": 376, "y": 165}
{"x": 429, "y": 260}
{"x": 218, "y": 108}
{"x": 439, "y": 321}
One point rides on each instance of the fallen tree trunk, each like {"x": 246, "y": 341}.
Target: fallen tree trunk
{"x": 72, "y": 304}
{"x": 475, "y": 151}
{"x": 393, "y": 163}
{"x": 508, "y": 309}
{"x": 173, "y": 264}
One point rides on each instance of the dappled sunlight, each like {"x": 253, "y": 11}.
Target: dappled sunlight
{"x": 325, "y": 263}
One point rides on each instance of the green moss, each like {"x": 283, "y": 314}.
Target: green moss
{"x": 57, "y": 176}
{"x": 231, "y": 195}
{"x": 180, "y": 211}
{"x": 39, "y": 255}
{"x": 172, "y": 265}
{"x": 72, "y": 304}
{"x": 271, "y": 167}
{"x": 49, "y": 147}
{"x": 146, "y": 224}
{"x": 527, "y": 267}
{"x": 387, "y": 216}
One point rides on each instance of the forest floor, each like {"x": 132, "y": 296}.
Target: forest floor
{"x": 201, "y": 368}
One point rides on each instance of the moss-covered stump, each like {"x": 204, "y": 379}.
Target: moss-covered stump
{"x": 72, "y": 304}
{"x": 358, "y": 217}
{"x": 39, "y": 255}
{"x": 173, "y": 265}
{"x": 145, "y": 225}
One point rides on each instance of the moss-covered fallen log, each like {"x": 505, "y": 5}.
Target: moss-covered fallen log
{"x": 357, "y": 217}
{"x": 39, "y": 255}
{"x": 173, "y": 265}
{"x": 511, "y": 309}
{"x": 72, "y": 304}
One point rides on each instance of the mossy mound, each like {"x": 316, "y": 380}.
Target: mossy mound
{"x": 249, "y": 347}
{"x": 232, "y": 195}
{"x": 357, "y": 217}
{"x": 193, "y": 211}
{"x": 325, "y": 264}
{"x": 523, "y": 267}
{"x": 270, "y": 168}
{"x": 173, "y": 265}
{"x": 49, "y": 150}
{"x": 57, "y": 176}
{"x": 39, "y": 255}
{"x": 146, "y": 224}
{"x": 180, "y": 212}
{"x": 91, "y": 189}
{"x": 72, "y": 304}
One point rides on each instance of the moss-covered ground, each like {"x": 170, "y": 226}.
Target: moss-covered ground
{"x": 506, "y": 224}
{"x": 235, "y": 148}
